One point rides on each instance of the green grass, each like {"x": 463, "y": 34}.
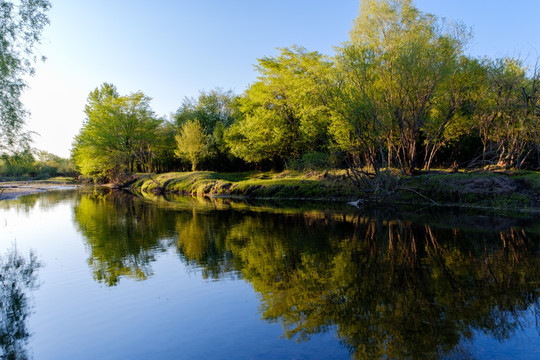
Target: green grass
{"x": 251, "y": 184}
{"x": 516, "y": 191}
{"x": 532, "y": 178}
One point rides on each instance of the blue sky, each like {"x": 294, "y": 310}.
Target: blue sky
{"x": 174, "y": 49}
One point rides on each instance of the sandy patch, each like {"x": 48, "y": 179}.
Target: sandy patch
{"x": 13, "y": 190}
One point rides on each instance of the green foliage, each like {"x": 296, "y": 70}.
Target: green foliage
{"x": 400, "y": 94}
{"x": 17, "y": 164}
{"x": 313, "y": 160}
{"x": 216, "y": 111}
{"x": 397, "y": 79}
{"x": 284, "y": 116}
{"x": 44, "y": 165}
{"x": 164, "y": 147}
{"x": 211, "y": 109}
{"x": 21, "y": 24}
{"x": 118, "y": 136}
{"x": 508, "y": 113}
{"x": 191, "y": 143}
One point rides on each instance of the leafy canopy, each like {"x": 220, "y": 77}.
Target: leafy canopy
{"x": 283, "y": 116}
{"x": 118, "y": 134}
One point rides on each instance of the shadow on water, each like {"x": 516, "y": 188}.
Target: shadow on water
{"x": 390, "y": 287}
{"x": 18, "y": 276}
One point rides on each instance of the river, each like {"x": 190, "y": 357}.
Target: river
{"x": 99, "y": 274}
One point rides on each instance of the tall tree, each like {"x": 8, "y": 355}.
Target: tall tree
{"x": 21, "y": 24}
{"x": 284, "y": 116}
{"x": 401, "y": 59}
{"x": 118, "y": 134}
{"x": 507, "y": 114}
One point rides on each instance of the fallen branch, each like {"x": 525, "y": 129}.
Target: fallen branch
{"x": 419, "y": 194}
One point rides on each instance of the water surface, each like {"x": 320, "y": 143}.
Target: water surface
{"x": 96, "y": 274}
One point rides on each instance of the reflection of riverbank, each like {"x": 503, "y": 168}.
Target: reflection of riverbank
{"x": 12, "y": 190}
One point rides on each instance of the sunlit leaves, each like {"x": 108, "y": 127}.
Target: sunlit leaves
{"x": 284, "y": 115}
{"x": 118, "y": 134}
{"x": 21, "y": 24}
{"x": 191, "y": 143}
{"x": 389, "y": 77}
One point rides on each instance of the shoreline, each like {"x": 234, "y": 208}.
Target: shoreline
{"x": 515, "y": 193}
{"x": 14, "y": 189}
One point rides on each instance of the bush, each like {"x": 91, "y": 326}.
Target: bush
{"x": 313, "y": 160}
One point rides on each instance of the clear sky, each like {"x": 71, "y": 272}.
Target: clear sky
{"x": 172, "y": 49}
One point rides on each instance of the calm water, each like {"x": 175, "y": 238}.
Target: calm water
{"x": 94, "y": 274}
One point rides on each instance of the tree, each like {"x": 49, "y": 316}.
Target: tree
{"x": 284, "y": 116}
{"x": 216, "y": 111}
{"x": 117, "y": 136}
{"x": 507, "y": 114}
{"x": 453, "y": 108}
{"x": 21, "y": 24}
{"x": 400, "y": 61}
{"x": 191, "y": 143}
{"x": 163, "y": 149}
{"x": 210, "y": 109}
{"x": 17, "y": 163}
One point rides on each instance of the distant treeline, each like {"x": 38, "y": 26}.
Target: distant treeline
{"x": 34, "y": 164}
{"x": 400, "y": 93}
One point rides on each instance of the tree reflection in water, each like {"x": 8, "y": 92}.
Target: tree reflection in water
{"x": 123, "y": 235}
{"x": 389, "y": 288}
{"x": 18, "y": 275}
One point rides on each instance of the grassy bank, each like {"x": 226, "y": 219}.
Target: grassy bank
{"x": 284, "y": 185}
{"x": 518, "y": 191}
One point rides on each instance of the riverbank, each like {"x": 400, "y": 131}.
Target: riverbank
{"x": 494, "y": 191}
{"x": 13, "y": 189}
{"x": 263, "y": 185}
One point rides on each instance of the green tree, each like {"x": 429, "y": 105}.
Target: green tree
{"x": 191, "y": 143}
{"x": 118, "y": 134}
{"x": 163, "y": 149}
{"x": 284, "y": 116}
{"x": 507, "y": 114}
{"x": 216, "y": 111}
{"x": 454, "y": 105}
{"x": 397, "y": 65}
{"x": 210, "y": 109}
{"x": 18, "y": 163}
{"x": 21, "y": 24}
